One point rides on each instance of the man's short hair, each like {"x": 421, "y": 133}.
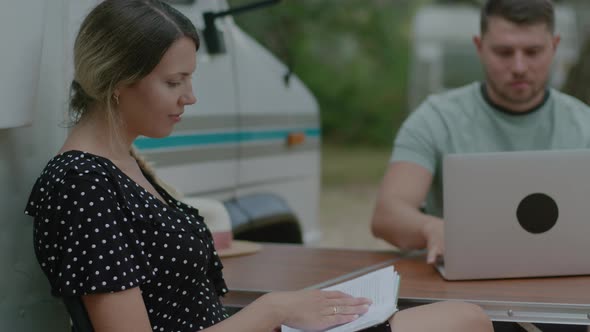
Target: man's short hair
{"x": 521, "y": 12}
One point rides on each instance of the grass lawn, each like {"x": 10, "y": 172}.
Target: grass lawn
{"x": 350, "y": 179}
{"x": 353, "y": 166}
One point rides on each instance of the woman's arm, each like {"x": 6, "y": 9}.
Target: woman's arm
{"x": 307, "y": 309}
{"x": 117, "y": 312}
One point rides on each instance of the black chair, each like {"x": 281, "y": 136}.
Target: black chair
{"x": 79, "y": 316}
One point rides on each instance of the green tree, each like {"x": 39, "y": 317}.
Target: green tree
{"x": 352, "y": 54}
{"x": 579, "y": 76}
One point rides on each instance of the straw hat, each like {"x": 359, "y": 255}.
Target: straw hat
{"x": 218, "y": 221}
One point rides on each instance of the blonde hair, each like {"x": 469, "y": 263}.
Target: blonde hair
{"x": 148, "y": 170}
{"x": 120, "y": 42}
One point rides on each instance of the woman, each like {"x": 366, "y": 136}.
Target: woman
{"x": 108, "y": 232}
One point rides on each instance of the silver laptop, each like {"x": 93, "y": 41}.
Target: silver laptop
{"x": 516, "y": 214}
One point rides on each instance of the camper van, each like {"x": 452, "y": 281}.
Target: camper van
{"x": 252, "y": 141}
{"x": 444, "y": 57}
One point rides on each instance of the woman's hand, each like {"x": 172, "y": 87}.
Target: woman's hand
{"x": 317, "y": 310}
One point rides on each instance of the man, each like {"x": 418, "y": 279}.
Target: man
{"x": 511, "y": 110}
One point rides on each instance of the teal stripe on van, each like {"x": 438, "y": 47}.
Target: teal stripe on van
{"x": 180, "y": 141}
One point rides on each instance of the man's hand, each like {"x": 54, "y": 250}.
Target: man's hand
{"x": 433, "y": 232}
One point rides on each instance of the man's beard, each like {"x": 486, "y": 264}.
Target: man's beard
{"x": 507, "y": 98}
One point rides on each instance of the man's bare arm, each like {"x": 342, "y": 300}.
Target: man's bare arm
{"x": 397, "y": 217}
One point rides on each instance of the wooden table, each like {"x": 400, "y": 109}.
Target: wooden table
{"x": 280, "y": 267}
{"x": 564, "y": 300}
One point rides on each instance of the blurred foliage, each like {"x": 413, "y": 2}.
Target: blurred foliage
{"x": 352, "y": 54}
{"x": 579, "y": 76}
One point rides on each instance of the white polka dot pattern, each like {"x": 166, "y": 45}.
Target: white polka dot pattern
{"x": 97, "y": 231}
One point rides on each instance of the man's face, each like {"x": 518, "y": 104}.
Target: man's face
{"x": 517, "y": 60}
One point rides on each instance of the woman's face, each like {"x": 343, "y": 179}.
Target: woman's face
{"x": 152, "y": 106}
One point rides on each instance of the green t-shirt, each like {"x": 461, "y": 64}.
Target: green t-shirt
{"x": 463, "y": 121}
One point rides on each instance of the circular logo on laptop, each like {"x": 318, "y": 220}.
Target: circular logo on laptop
{"x": 537, "y": 213}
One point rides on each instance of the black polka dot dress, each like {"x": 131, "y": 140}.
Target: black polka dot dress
{"x": 97, "y": 231}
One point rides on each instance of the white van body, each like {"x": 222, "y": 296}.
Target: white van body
{"x": 444, "y": 56}
{"x": 232, "y": 142}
